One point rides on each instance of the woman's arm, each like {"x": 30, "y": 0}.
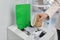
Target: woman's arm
{"x": 53, "y": 9}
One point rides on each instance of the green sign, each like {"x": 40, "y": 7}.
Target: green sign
{"x": 23, "y": 15}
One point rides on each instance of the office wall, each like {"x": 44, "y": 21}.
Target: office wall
{"x": 6, "y": 17}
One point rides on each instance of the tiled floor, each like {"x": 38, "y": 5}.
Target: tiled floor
{"x": 58, "y": 34}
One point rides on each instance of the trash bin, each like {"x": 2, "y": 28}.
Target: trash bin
{"x": 22, "y": 15}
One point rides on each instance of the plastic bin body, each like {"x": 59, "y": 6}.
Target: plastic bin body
{"x": 23, "y": 15}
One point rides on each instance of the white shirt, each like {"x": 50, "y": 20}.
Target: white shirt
{"x": 52, "y": 10}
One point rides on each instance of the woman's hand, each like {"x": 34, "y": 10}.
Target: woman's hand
{"x": 43, "y": 16}
{"x": 39, "y": 18}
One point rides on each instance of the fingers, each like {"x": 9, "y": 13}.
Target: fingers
{"x": 40, "y": 17}
{"x": 44, "y": 17}
{"x": 39, "y": 14}
{"x": 38, "y": 23}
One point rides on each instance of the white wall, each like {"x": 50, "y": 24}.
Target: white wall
{"x": 5, "y": 17}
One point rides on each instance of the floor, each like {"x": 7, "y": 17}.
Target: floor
{"x": 58, "y": 34}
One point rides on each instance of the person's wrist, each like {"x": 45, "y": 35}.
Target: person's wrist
{"x": 47, "y": 16}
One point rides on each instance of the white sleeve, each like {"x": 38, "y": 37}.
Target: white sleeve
{"x": 52, "y": 10}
